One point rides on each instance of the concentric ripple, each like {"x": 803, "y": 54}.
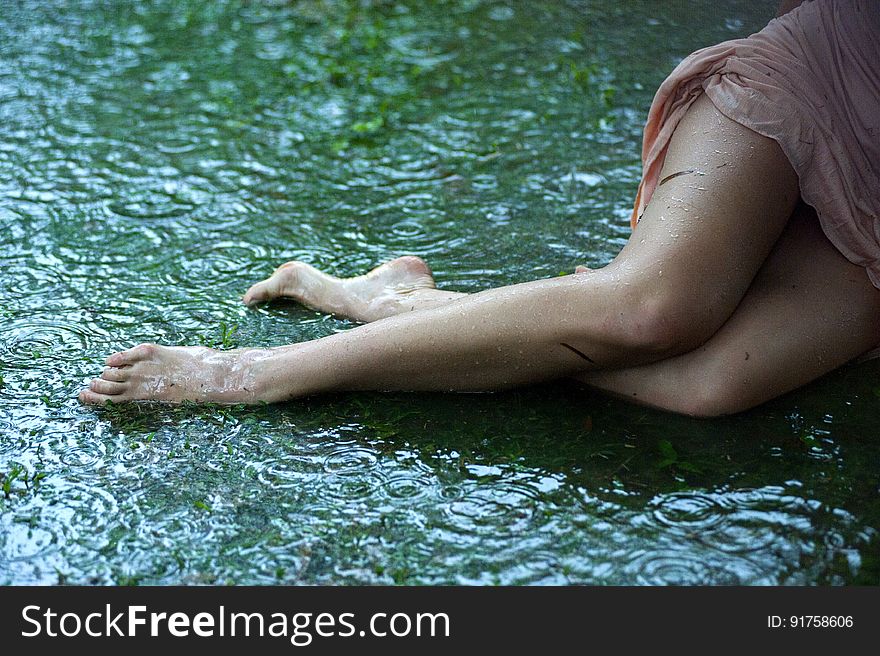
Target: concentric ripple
{"x": 503, "y": 509}
{"x": 21, "y": 542}
{"x": 408, "y": 487}
{"x": 353, "y": 459}
{"x": 80, "y": 453}
{"x": 345, "y": 488}
{"x": 23, "y": 342}
{"x": 693, "y": 511}
{"x": 680, "y": 567}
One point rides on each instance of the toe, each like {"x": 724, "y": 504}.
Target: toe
{"x": 115, "y": 374}
{"x": 256, "y": 294}
{"x": 107, "y": 387}
{"x": 282, "y": 282}
{"x": 93, "y": 398}
{"x": 139, "y": 352}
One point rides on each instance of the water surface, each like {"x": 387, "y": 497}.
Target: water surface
{"x": 156, "y": 158}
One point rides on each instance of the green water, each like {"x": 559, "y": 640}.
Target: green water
{"x": 156, "y": 158}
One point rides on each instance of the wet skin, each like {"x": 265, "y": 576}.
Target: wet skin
{"x": 175, "y": 374}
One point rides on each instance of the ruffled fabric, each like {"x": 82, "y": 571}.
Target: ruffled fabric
{"x": 810, "y": 80}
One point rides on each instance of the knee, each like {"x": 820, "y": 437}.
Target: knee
{"x": 714, "y": 394}
{"x": 707, "y": 403}
{"x": 663, "y": 324}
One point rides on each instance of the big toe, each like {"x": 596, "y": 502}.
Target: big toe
{"x": 129, "y": 357}
{"x": 256, "y": 294}
{"x": 89, "y": 397}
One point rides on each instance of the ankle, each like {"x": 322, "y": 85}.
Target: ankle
{"x": 251, "y": 375}
{"x": 279, "y": 374}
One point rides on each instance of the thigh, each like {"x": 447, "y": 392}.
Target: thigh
{"x": 808, "y": 311}
{"x": 725, "y": 195}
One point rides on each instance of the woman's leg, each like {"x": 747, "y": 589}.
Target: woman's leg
{"x": 787, "y": 331}
{"x": 808, "y": 311}
{"x": 703, "y": 237}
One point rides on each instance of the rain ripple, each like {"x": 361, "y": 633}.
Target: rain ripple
{"x": 676, "y": 566}
{"x": 732, "y": 522}
{"x": 23, "y": 341}
{"x": 496, "y": 510}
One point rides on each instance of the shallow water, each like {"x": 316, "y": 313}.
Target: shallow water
{"x": 157, "y": 158}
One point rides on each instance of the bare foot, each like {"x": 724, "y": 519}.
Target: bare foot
{"x": 175, "y": 374}
{"x": 380, "y": 293}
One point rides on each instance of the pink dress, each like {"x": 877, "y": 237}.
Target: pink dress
{"x": 810, "y": 80}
